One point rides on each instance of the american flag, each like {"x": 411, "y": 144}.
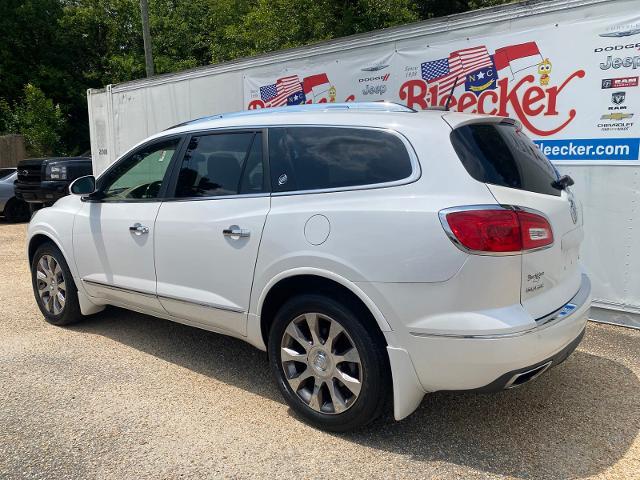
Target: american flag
{"x": 276, "y": 94}
{"x": 459, "y": 64}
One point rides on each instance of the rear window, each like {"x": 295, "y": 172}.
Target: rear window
{"x": 501, "y": 154}
{"x": 312, "y": 158}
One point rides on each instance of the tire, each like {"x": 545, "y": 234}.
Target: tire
{"x": 320, "y": 377}
{"x": 55, "y": 277}
{"x": 17, "y": 210}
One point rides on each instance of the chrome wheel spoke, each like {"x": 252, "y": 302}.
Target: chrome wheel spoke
{"x": 296, "y": 381}
{"x": 62, "y": 286}
{"x": 314, "y": 402}
{"x": 314, "y": 328}
{"x": 339, "y": 405}
{"x": 353, "y": 384}
{"x": 294, "y": 332}
{"x": 44, "y": 266}
{"x": 51, "y": 263}
{"x": 350, "y": 355}
{"x": 42, "y": 277}
{"x": 334, "y": 330}
{"x": 290, "y": 355}
{"x": 49, "y": 303}
{"x": 60, "y": 298}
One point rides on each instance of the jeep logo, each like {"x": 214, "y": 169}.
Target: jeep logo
{"x": 617, "y": 62}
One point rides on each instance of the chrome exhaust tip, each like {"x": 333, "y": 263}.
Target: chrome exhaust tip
{"x": 525, "y": 377}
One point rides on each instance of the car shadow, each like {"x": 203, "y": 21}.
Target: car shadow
{"x": 577, "y": 420}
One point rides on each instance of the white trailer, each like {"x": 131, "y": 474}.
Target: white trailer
{"x": 567, "y": 70}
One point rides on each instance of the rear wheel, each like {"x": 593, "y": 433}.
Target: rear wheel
{"x": 53, "y": 286}
{"x": 17, "y": 210}
{"x": 331, "y": 370}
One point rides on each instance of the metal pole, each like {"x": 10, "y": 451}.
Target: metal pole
{"x": 146, "y": 36}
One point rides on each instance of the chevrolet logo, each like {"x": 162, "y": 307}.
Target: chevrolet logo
{"x": 25, "y": 173}
{"x": 616, "y": 116}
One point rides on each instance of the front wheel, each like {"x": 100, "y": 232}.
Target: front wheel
{"x": 53, "y": 286}
{"x": 331, "y": 370}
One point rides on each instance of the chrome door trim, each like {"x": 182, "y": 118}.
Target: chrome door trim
{"x": 201, "y": 304}
{"x": 161, "y": 297}
{"x": 118, "y": 289}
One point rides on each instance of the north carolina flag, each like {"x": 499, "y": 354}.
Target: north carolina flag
{"x": 315, "y": 86}
{"x": 517, "y": 57}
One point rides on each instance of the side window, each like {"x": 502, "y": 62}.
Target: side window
{"x": 311, "y": 158}
{"x": 222, "y": 164}
{"x": 141, "y": 175}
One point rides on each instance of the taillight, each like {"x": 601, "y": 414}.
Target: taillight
{"x": 497, "y": 230}
{"x": 536, "y": 231}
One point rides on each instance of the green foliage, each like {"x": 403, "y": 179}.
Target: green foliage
{"x": 40, "y": 121}
{"x": 67, "y": 46}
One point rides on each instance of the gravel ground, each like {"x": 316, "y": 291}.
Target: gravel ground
{"x": 127, "y": 396}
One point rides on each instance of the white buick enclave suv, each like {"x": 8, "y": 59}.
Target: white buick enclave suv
{"x": 375, "y": 252}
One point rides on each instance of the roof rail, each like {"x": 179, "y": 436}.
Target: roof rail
{"x": 313, "y": 107}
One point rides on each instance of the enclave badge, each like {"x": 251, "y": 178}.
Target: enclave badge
{"x": 573, "y": 209}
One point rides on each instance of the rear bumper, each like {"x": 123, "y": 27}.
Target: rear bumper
{"x": 44, "y": 192}
{"x": 488, "y": 362}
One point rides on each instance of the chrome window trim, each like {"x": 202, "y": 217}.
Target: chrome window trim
{"x": 216, "y": 197}
{"x": 160, "y": 297}
{"x": 416, "y": 168}
{"x": 220, "y": 131}
{"x": 442, "y": 215}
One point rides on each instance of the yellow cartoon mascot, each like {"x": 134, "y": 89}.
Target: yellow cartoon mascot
{"x": 544, "y": 69}
{"x": 332, "y": 94}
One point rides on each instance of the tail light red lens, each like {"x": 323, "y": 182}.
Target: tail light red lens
{"x": 499, "y": 230}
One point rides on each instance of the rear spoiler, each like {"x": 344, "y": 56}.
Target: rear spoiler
{"x": 457, "y": 120}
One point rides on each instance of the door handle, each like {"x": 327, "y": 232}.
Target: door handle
{"x": 138, "y": 229}
{"x": 234, "y": 231}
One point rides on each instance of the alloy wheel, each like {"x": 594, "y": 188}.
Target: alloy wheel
{"x": 52, "y": 288}
{"x": 321, "y": 363}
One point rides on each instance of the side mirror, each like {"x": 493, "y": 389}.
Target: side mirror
{"x": 83, "y": 185}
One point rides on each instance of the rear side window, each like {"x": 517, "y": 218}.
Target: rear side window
{"x": 312, "y": 158}
{"x": 222, "y": 164}
{"x": 501, "y": 154}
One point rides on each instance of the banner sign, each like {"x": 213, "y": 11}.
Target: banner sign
{"x": 573, "y": 87}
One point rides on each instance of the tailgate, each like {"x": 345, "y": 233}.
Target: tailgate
{"x": 496, "y": 152}
{"x": 550, "y": 276}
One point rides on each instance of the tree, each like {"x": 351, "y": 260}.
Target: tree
{"x": 63, "y": 47}
{"x": 40, "y": 121}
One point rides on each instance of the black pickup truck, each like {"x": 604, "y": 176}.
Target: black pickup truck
{"x": 42, "y": 181}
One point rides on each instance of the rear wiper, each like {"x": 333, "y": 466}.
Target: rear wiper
{"x": 563, "y": 182}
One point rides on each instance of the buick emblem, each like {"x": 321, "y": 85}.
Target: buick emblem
{"x": 573, "y": 210}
